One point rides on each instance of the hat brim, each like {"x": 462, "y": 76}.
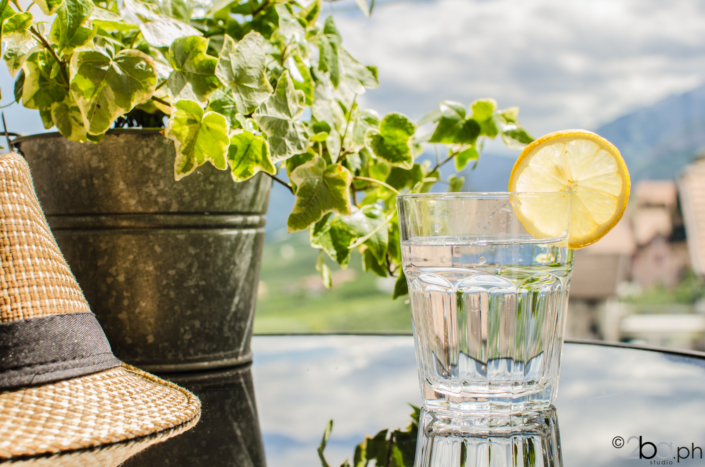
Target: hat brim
{"x": 111, "y": 406}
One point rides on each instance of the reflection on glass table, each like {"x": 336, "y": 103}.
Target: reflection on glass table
{"x": 611, "y": 400}
{"x": 532, "y": 440}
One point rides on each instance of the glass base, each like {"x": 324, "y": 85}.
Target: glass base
{"x": 488, "y": 399}
{"x": 449, "y": 439}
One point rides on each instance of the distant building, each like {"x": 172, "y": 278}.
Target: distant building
{"x": 691, "y": 187}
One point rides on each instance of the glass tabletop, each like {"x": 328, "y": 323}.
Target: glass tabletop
{"x": 611, "y": 401}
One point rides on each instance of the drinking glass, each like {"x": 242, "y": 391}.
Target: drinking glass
{"x": 488, "y": 299}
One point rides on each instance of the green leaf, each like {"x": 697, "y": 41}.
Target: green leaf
{"x": 324, "y": 441}
{"x": 47, "y": 119}
{"x": 394, "y": 249}
{"x": 242, "y": 67}
{"x": 198, "y": 137}
{"x": 297, "y": 160}
{"x": 178, "y": 9}
{"x": 393, "y": 142}
{"x": 455, "y": 183}
{"x": 401, "y": 287}
{"x": 68, "y": 120}
{"x": 483, "y": 109}
{"x": 453, "y": 128}
{"x": 247, "y": 155}
{"x": 370, "y": 222}
{"x": 365, "y": 7}
{"x": 370, "y": 263}
{"x": 106, "y": 87}
{"x": 49, "y": 7}
{"x": 321, "y": 189}
{"x": 40, "y": 89}
{"x": 329, "y": 50}
{"x": 355, "y": 75}
{"x": 332, "y": 236}
{"x": 366, "y": 120}
{"x": 400, "y": 178}
{"x": 465, "y": 156}
{"x": 326, "y": 276}
{"x": 194, "y": 76}
{"x": 310, "y": 13}
{"x": 69, "y": 30}
{"x": 516, "y": 137}
{"x": 158, "y": 30}
{"x": 277, "y": 117}
{"x": 19, "y": 85}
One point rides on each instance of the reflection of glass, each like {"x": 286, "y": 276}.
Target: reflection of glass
{"x": 488, "y": 301}
{"x": 450, "y": 441}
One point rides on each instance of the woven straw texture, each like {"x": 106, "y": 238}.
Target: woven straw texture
{"x": 118, "y": 405}
{"x": 108, "y": 407}
{"x": 35, "y": 280}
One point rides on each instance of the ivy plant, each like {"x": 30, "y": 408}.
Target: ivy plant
{"x": 249, "y": 86}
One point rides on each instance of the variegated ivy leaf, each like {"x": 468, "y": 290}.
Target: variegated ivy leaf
{"x": 333, "y": 237}
{"x": 297, "y": 66}
{"x": 68, "y": 120}
{"x": 16, "y": 26}
{"x": 466, "y": 155}
{"x": 322, "y": 268}
{"x": 357, "y": 76}
{"x": 393, "y": 142}
{"x": 369, "y": 221}
{"x": 198, "y": 136}
{"x": 247, "y": 155}
{"x": 16, "y": 52}
{"x": 483, "y": 111}
{"x": 179, "y": 9}
{"x": 106, "y": 87}
{"x": 40, "y": 88}
{"x": 325, "y": 107}
{"x": 455, "y": 183}
{"x": 194, "y": 76}
{"x": 365, "y": 6}
{"x": 329, "y": 51}
{"x": 310, "y": 13}
{"x": 70, "y": 28}
{"x": 158, "y": 30}
{"x": 288, "y": 23}
{"x": 320, "y": 189}
{"x": 366, "y": 120}
{"x": 49, "y": 7}
{"x": 242, "y": 67}
{"x": 277, "y": 117}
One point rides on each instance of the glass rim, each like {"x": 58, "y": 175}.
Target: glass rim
{"x": 479, "y": 195}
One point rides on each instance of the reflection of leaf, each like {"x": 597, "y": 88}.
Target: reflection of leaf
{"x": 241, "y": 66}
{"x": 106, "y": 87}
{"x": 247, "y": 155}
{"x": 194, "y": 71}
{"x": 393, "y": 142}
{"x": 277, "y": 117}
{"x": 320, "y": 189}
{"x": 198, "y": 137}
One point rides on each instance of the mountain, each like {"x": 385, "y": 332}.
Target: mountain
{"x": 658, "y": 141}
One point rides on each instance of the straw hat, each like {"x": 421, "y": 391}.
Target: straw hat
{"x": 61, "y": 389}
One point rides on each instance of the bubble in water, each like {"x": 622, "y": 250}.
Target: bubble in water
{"x": 481, "y": 260}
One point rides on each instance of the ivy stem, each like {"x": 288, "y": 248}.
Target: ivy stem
{"x": 160, "y": 100}
{"x": 388, "y": 187}
{"x": 347, "y": 124}
{"x": 277, "y": 179}
{"x": 353, "y": 195}
{"x": 134, "y": 39}
{"x": 46, "y": 45}
{"x": 160, "y": 85}
{"x": 441, "y": 163}
{"x": 258, "y": 10}
{"x": 30, "y": 6}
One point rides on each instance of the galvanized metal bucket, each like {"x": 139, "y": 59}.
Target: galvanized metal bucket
{"x": 169, "y": 268}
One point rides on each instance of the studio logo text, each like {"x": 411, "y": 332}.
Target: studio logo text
{"x": 657, "y": 453}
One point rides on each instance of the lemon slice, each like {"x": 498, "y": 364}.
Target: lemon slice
{"x": 578, "y": 162}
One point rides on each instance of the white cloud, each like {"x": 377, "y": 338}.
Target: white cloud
{"x": 566, "y": 64}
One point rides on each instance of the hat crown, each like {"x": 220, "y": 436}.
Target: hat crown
{"x": 35, "y": 280}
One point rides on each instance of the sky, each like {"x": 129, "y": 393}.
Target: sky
{"x": 577, "y": 63}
